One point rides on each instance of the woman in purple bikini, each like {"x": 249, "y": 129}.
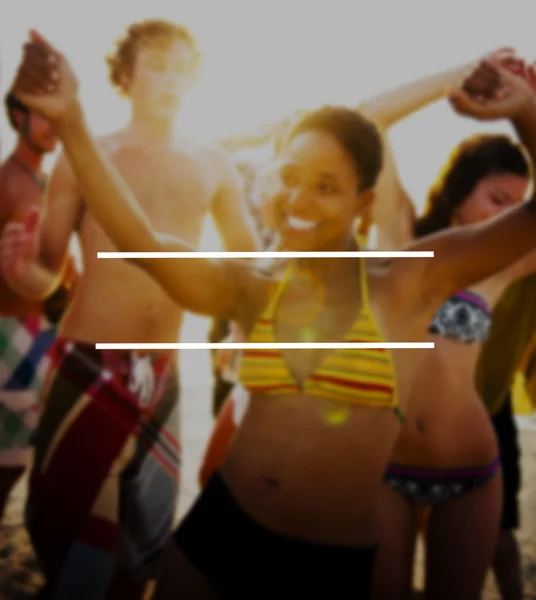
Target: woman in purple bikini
{"x": 285, "y": 542}
{"x": 446, "y": 460}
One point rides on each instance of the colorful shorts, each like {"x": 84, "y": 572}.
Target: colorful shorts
{"x": 24, "y": 346}
{"x": 103, "y": 490}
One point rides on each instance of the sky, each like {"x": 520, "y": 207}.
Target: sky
{"x": 263, "y": 59}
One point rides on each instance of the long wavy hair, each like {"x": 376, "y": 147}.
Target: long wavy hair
{"x": 471, "y": 161}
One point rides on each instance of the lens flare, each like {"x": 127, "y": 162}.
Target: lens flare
{"x": 300, "y": 314}
{"x": 334, "y": 415}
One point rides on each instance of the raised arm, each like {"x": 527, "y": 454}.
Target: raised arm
{"x": 390, "y": 107}
{"x": 47, "y": 84}
{"x": 521, "y": 268}
{"x": 61, "y": 212}
{"x": 466, "y": 255}
{"x": 229, "y": 209}
{"x": 393, "y": 211}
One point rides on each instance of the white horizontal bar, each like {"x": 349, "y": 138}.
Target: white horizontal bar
{"x": 267, "y": 346}
{"x": 363, "y": 253}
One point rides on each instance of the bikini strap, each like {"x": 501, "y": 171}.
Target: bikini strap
{"x": 269, "y": 310}
{"x": 362, "y": 239}
{"x": 365, "y": 306}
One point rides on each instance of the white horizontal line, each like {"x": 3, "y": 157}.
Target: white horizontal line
{"x": 366, "y": 254}
{"x": 267, "y": 346}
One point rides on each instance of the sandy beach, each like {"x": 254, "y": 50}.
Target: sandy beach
{"x": 19, "y": 573}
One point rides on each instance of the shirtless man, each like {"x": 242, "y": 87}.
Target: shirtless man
{"x": 25, "y": 332}
{"x": 104, "y": 487}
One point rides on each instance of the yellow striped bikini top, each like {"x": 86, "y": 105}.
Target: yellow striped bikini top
{"x": 363, "y": 377}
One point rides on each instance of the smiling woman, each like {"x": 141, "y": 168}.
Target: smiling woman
{"x": 330, "y": 158}
{"x": 297, "y": 493}
{"x": 446, "y": 457}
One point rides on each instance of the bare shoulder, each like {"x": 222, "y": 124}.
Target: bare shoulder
{"x": 6, "y": 177}
{"x": 62, "y": 169}
{"x": 7, "y": 191}
{"x": 17, "y": 191}
{"x": 219, "y": 160}
{"x": 214, "y": 162}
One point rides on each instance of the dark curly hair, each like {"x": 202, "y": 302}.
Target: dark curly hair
{"x": 121, "y": 61}
{"x": 13, "y": 104}
{"x": 471, "y": 161}
{"x": 358, "y": 136}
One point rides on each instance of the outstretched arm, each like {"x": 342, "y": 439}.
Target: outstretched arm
{"x": 61, "y": 212}
{"x": 390, "y": 107}
{"x": 466, "y": 255}
{"x": 393, "y": 209}
{"x": 46, "y": 83}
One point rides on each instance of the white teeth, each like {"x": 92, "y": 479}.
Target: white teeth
{"x": 301, "y": 224}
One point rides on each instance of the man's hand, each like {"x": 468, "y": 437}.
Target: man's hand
{"x": 491, "y": 93}
{"x": 45, "y": 82}
{"x": 19, "y": 246}
{"x": 506, "y": 57}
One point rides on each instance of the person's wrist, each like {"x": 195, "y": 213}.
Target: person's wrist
{"x": 526, "y": 113}
{"x": 70, "y": 119}
{"x": 457, "y": 76}
{"x": 461, "y": 72}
